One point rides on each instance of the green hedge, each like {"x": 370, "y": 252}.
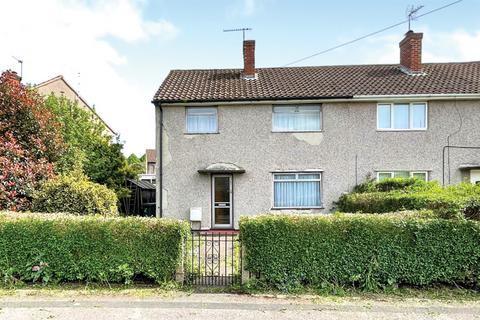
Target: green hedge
{"x": 57, "y": 248}
{"x": 75, "y": 194}
{"x": 390, "y": 184}
{"x": 367, "y": 251}
{"x": 447, "y": 202}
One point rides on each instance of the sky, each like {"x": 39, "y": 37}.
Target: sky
{"x": 116, "y": 53}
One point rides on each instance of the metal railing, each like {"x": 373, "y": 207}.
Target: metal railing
{"x": 214, "y": 258}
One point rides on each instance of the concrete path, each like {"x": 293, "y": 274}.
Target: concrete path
{"x": 227, "y": 307}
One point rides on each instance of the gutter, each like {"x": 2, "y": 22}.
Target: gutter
{"x": 357, "y": 98}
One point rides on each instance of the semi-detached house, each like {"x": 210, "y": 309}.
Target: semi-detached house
{"x": 234, "y": 142}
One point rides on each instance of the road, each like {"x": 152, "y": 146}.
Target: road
{"x": 227, "y": 307}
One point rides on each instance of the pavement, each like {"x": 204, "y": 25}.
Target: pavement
{"x": 228, "y": 307}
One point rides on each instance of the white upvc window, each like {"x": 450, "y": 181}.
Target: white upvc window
{"x": 291, "y": 118}
{"x": 382, "y": 175}
{"x": 201, "y": 120}
{"x": 297, "y": 190}
{"x": 402, "y": 116}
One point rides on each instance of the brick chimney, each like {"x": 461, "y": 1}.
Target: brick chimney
{"x": 411, "y": 53}
{"x": 249, "y": 59}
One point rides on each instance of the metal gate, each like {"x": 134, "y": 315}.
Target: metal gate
{"x": 214, "y": 258}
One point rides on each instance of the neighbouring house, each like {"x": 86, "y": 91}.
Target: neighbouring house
{"x": 234, "y": 142}
{"x": 60, "y": 87}
{"x": 150, "y": 160}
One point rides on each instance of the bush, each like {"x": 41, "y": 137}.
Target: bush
{"x": 75, "y": 194}
{"x": 366, "y": 251}
{"x": 447, "y": 202}
{"x": 471, "y": 209}
{"x": 55, "y": 248}
{"x": 405, "y": 184}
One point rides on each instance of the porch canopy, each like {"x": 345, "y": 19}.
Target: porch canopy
{"x": 469, "y": 166}
{"x": 221, "y": 167}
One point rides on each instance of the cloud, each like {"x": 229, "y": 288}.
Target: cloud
{"x": 249, "y": 7}
{"x": 455, "y": 46}
{"x": 246, "y": 8}
{"x": 70, "y": 37}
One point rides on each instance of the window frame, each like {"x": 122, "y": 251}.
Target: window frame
{"x": 202, "y": 107}
{"x": 410, "y": 116}
{"x": 296, "y": 173}
{"x": 410, "y": 173}
{"x": 320, "y": 106}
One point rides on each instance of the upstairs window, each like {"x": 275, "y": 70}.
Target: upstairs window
{"x": 402, "y": 116}
{"x": 382, "y": 175}
{"x": 297, "y": 118}
{"x": 202, "y": 120}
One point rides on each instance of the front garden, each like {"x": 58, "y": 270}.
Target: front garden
{"x": 365, "y": 251}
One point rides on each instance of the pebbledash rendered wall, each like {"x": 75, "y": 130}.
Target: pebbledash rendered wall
{"x": 348, "y": 149}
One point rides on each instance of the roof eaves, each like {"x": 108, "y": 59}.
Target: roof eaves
{"x": 219, "y": 101}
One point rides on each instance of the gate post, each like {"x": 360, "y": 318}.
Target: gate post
{"x": 244, "y": 274}
{"x": 180, "y": 272}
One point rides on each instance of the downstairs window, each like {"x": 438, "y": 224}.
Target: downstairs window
{"x": 296, "y": 190}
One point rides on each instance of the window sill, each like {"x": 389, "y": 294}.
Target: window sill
{"x": 298, "y": 131}
{"x": 297, "y": 208}
{"x": 401, "y": 130}
{"x": 199, "y": 133}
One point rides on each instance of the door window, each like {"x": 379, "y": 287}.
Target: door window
{"x": 222, "y": 201}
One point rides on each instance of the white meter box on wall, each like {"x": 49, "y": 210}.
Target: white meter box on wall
{"x": 196, "y": 214}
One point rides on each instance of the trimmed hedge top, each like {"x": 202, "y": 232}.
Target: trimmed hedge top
{"x": 411, "y": 194}
{"x": 368, "y": 251}
{"x": 44, "y": 247}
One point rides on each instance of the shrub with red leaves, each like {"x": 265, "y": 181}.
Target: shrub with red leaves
{"x": 30, "y": 143}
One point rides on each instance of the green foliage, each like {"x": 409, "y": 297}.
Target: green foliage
{"x": 471, "y": 210}
{"x": 391, "y": 184}
{"x": 136, "y": 164}
{"x": 29, "y": 143}
{"x": 89, "y": 147}
{"x": 362, "y": 251}
{"x": 75, "y": 194}
{"x": 409, "y": 194}
{"x": 60, "y": 248}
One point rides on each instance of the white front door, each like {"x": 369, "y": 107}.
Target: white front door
{"x": 475, "y": 176}
{"x": 222, "y": 213}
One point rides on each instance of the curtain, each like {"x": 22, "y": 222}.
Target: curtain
{"x": 291, "y": 118}
{"x": 297, "y": 193}
{"x": 202, "y": 120}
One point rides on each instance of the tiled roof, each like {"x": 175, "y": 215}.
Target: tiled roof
{"x": 318, "y": 82}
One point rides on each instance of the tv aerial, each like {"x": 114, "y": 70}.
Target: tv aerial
{"x": 238, "y": 30}
{"x": 412, "y": 13}
{"x": 21, "y": 66}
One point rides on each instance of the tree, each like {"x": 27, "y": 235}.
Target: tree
{"x": 137, "y": 165}
{"x": 89, "y": 147}
{"x": 30, "y": 143}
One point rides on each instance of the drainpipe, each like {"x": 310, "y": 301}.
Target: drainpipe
{"x": 159, "y": 162}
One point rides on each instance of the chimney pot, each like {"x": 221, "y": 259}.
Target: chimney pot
{"x": 411, "y": 53}
{"x": 249, "y": 59}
